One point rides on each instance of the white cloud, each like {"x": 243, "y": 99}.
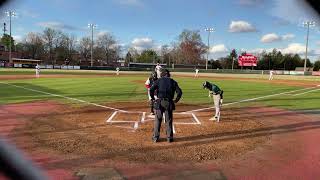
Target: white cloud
{"x": 257, "y": 51}
{"x": 273, "y": 37}
{"x": 220, "y": 48}
{"x": 295, "y": 48}
{"x": 103, "y": 32}
{"x": 57, "y": 25}
{"x": 218, "y": 51}
{"x": 241, "y": 26}
{"x": 269, "y": 38}
{"x": 17, "y": 38}
{"x": 318, "y": 43}
{"x": 143, "y": 43}
{"x": 288, "y": 36}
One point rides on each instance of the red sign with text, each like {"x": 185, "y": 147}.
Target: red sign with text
{"x": 247, "y": 60}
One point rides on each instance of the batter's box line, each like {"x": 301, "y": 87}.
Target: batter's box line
{"x": 136, "y": 123}
{"x": 194, "y": 117}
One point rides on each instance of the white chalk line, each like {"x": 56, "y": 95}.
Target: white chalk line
{"x": 109, "y": 120}
{"x": 66, "y": 97}
{"x": 196, "y": 118}
{"x": 248, "y": 100}
{"x": 143, "y": 117}
{"x": 301, "y": 90}
{"x": 111, "y": 117}
{"x": 306, "y": 92}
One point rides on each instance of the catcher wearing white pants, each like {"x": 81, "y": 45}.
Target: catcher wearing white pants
{"x": 217, "y": 94}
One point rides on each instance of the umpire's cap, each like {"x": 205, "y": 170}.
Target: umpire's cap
{"x": 165, "y": 73}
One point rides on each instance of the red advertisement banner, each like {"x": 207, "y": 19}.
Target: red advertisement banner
{"x": 247, "y": 60}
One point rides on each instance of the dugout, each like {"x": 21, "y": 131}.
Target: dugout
{"x": 25, "y": 63}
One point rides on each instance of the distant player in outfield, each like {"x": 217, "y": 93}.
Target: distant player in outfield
{"x": 150, "y": 81}
{"x": 117, "y": 71}
{"x": 37, "y": 71}
{"x": 158, "y": 70}
{"x": 271, "y": 73}
{"x": 217, "y": 94}
{"x": 197, "y": 73}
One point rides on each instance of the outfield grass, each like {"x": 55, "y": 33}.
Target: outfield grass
{"x": 131, "y": 89}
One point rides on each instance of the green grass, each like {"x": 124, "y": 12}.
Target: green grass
{"x": 127, "y": 88}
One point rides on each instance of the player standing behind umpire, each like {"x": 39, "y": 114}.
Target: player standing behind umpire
{"x": 166, "y": 88}
{"x": 150, "y": 81}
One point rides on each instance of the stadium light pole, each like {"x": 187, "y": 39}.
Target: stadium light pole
{"x": 307, "y": 24}
{"x": 92, "y": 26}
{"x": 10, "y": 14}
{"x": 209, "y": 30}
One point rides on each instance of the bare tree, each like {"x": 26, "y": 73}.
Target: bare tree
{"x": 134, "y": 53}
{"x": 50, "y": 37}
{"x": 165, "y": 53}
{"x": 71, "y": 45}
{"x": 34, "y": 45}
{"x": 108, "y": 45}
{"x": 84, "y": 47}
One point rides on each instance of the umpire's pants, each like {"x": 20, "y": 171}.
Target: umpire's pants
{"x": 168, "y": 119}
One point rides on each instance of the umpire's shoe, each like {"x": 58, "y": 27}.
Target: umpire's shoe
{"x": 169, "y": 140}
{"x": 155, "y": 140}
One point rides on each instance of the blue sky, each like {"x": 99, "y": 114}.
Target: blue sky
{"x": 247, "y": 25}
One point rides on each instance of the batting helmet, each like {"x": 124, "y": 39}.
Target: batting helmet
{"x": 205, "y": 84}
{"x": 153, "y": 75}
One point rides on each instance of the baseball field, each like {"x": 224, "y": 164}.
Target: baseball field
{"x": 74, "y": 124}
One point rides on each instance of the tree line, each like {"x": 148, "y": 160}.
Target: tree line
{"x": 55, "y": 47}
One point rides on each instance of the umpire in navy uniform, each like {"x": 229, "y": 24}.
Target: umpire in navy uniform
{"x": 166, "y": 88}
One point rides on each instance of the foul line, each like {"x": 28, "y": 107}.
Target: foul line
{"x": 57, "y": 95}
{"x": 306, "y": 92}
{"x": 248, "y": 100}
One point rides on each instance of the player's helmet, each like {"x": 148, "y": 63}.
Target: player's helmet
{"x": 153, "y": 75}
{"x": 165, "y": 73}
{"x": 205, "y": 85}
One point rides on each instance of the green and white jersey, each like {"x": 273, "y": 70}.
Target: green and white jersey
{"x": 214, "y": 88}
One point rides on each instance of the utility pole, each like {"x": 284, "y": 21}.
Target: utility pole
{"x": 4, "y": 28}
{"x": 307, "y": 24}
{"x": 10, "y": 14}
{"x": 209, "y": 30}
{"x": 92, "y": 26}
{"x": 232, "y": 62}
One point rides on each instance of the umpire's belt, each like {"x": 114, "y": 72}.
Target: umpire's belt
{"x": 166, "y": 99}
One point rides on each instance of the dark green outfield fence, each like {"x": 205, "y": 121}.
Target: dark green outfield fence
{"x": 225, "y": 71}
